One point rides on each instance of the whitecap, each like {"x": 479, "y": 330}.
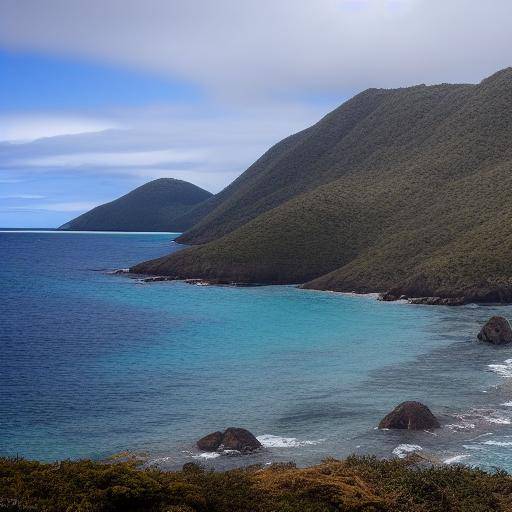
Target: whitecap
{"x": 461, "y": 426}
{"x": 498, "y": 443}
{"x": 402, "y": 450}
{"x": 498, "y": 420}
{"x": 271, "y": 441}
{"x": 503, "y": 370}
{"x": 455, "y": 459}
{"x": 207, "y": 455}
{"x": 507, "y": 404}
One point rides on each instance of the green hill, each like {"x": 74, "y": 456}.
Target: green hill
{"x": 160, "y": 205}
{"x": 405, "y": 189}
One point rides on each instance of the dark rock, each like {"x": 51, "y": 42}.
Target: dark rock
{"x": 410, "y": 416}
{"x": 438, "y": 301}
{"x": 497, "y": 331}
{"x": 211, "y": 442}
{"x": 120, "y": 271}
{"x": 155, "y": 279}
{"x": 388, "y": 297}
{"x": 239, "y": 439}
{"x": 197, "y": 282}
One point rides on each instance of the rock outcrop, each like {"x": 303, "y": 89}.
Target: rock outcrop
{"x": 239, "y": 439}
{"x": 410, "y": 416}
{"x": 232, "y": 438}
{"x": 210, "y": 442}
{"x": 438, "y": 301}
{"x": 496, "y": 331}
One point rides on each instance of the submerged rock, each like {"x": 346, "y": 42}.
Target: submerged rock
{"x": 232, "y": 438}
{"x": 410, "y": 416}
{"x": 210, "y": 442}
{"x": 496, "y": 330}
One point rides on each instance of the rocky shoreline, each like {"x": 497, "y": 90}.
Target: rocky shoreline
{"x": 388, "y": 296}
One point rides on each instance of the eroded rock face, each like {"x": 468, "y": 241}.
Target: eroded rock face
{"x": 240, "y": 439}
{"x": 410, "y": 416}
{"x": 210, "y": 442}
{"x": 232, "y": 438}
{"x": 497, "y": 331}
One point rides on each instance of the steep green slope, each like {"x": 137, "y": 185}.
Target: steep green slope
{"x": 160, "y": 205}
{"x": 419, "y": 201}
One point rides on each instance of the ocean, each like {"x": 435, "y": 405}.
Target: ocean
{"x": 93, "y": 364}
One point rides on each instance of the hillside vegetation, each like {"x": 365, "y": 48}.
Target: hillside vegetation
{"x": 405, "y": 189}
{"x": 356, "y": 484}
{"x": 160, "y": 205}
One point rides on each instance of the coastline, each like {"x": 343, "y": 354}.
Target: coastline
{"x": 384, "y": 296}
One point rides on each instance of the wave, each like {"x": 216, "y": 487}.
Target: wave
{"x": 456, "y": 458}
{"x": 207, "y": 455}
{"x": 402, "y": 450}
{"x": 464, "y": 425}
{"x": 469, "y": 420}
{"x": 498, "y": 443}
{"x": 503, "y": 370}
{"x": 271, "y": 441}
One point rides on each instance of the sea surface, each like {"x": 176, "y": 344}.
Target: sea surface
{"x": 93, "y": 364}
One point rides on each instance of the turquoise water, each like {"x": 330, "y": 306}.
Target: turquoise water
{"x": 94, "y": 363}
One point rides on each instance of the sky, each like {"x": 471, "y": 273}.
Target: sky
{"x": 100, "y": 96}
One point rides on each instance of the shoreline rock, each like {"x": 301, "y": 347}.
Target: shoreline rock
{"x": 157, "y": 279}
{"x": 496, "y": 331}
{"x": 410, "y": 415}
{"x": 438, "y": 301}
{"x": 232, "y": 438}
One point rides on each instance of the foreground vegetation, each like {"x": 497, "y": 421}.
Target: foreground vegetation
{"x": 403, "y": 189}
{"x": 355, "y": 484}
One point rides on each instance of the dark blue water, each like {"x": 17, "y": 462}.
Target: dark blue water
{"x": 93, "y": 364}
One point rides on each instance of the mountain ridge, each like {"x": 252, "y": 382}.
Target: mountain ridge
{"x": 410, "y": 198}
{"x": 159, "y": 205}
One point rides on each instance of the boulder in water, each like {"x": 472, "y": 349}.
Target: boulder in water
{"x": 496, "y": 331}
{"x": 232, "y": 438}
{"x": 210, "y": 442}
{"x": 239, "y": 439}
{"x": 410, "y": 416}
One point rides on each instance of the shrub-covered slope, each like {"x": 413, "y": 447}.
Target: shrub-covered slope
{"x": 160, "y": 205}
{"x": 413, "y": 195}
{"x": 356, "y": 484}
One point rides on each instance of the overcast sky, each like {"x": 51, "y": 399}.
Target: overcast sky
{"x": 100, "y": 96}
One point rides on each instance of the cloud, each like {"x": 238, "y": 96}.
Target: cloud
{"x": 201, "y": 144}
{"x": 24, "y": 128}
{"x": 78, "y": 206}
{"x": 22, "y": 196}
{"x": 241, "y": 50}
{"x": 116, "y": 160}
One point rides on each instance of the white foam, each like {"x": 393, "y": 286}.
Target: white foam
{"x": 507, "y": 404}
{"x": 498, "y": 443}
{"x": 461, "y": 426}
{"x": 207, "y": 455}
{"x": 271, "y": 441}
{"x": 498, "y": 421}
{"x": 503, "y": 370}
{"x": 456, "y": 458}
{"x": 403, "y": 449}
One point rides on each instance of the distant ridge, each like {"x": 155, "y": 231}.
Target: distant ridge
{"x": 402, "y": 189}
{"x": 160, "y": 205}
